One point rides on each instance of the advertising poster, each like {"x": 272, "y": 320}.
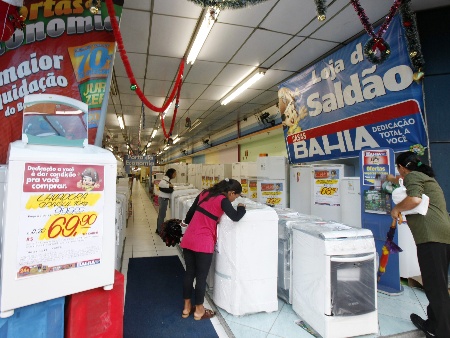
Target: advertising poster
{"x": 61, "y": 223}
{"x": 326, "y": 187}
{"x": 64, "y": 49}
{"x": 344, "y": 103}
{"x": 272, "y": 193}
{"x": 375, "y": 167}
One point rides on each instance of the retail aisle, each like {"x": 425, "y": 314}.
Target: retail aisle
{"x": 141, "y": 241}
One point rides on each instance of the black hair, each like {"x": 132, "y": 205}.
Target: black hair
{"x": 224, "y": 186}
{"x": 410, "y": 161}
{"x": 170, "y": 172}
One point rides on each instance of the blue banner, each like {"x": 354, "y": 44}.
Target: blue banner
{"x": 344, "y": 103}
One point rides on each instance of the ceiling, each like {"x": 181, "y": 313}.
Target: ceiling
{"x": 283, "y": 36}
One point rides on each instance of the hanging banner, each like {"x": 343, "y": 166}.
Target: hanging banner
{"x": 64, "y": 49}
{"x": 61, "y": 223}
{"x": 131, "y": 161}
{"x": 344, "y": 103}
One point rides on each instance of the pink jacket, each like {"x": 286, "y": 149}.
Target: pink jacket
{"x": 201, "y": 234}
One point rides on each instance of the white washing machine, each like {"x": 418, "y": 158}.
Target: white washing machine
{"x": 246, "y": 262}
{"x": 334, "y": 278}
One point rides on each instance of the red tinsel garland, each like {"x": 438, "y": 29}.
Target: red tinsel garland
{"x": 126, "y": 63}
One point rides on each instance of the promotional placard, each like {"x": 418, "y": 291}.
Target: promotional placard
{"x": 61, "y": 222}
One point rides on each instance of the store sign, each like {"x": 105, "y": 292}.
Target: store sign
{"x": 138, "y": 161}
{"x": 344, "y": 103}
{"x": 63, "y": 50}
{"x": 61, "y": 223}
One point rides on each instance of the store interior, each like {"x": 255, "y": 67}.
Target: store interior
{"x": 304, "y": 103}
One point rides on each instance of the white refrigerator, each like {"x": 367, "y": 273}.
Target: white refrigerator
{"x": 300, "y": 188}
{"x": 273, "y": 181}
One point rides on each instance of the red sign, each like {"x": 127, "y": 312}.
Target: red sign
{"x": 63, "y": 50}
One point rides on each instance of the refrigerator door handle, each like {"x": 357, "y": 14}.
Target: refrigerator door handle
{"x": 352, "y": 259}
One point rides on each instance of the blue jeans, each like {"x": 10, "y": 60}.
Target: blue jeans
{"x": 163, "y": 202}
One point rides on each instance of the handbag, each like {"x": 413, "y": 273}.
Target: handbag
{"x": 399, "y": 195}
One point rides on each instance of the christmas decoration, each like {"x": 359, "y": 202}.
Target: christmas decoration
{"x": 123, "y": 54}
{"x": 412, "y": 39}
{"x": 376, "y": 49}
{"x": 321, "y": 7}
{"x": 95, "y": 7}
{"x": 417, "y": 149}
{"x": 10, "y": 20}
{"x": 227, "y": 4}
{"x": 133, "y": 87}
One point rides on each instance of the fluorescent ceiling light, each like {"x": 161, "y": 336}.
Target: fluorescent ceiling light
{"x": 195, "y": 124}
{"x": 154, "y": 132}
{"x": 176, "y": 139}
{"x": 166, "y": 147}
{"x": 149, "y": 144}
{"x": 247, "y": 82}
{"x": 120, "y": 119}
{"x": 209, "y": 18}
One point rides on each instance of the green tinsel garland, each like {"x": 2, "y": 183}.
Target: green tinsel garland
{"x": 227, "y": 4}
{"x": 321, "y": 7}
{"x": 412, "y": 35}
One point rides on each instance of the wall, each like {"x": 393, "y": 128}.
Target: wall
{"x": 223, "y": 156}
{"x": 273, "y": 145}
{"x": 434, "y": 30}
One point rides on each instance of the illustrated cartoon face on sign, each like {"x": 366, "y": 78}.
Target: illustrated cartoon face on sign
{"x": 290, "y": 116}
{"x": 89, "y": 179}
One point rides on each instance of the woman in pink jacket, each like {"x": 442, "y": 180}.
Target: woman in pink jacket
{"x": 200, "y": 238}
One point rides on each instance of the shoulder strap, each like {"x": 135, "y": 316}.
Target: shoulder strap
{"x": 204, "y": 211}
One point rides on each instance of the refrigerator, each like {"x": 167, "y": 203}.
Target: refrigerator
{"x": 327, "y": 198}
{"x": 221, "y": 171}
{"x": 300, "y": 188}
{"x": 351, "y": 201}
{"x": 273, "y": 181}
{"x": 236, "y": 171}
{"x": 249, "y": 180}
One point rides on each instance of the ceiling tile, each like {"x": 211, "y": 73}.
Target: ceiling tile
{"x": 265, "y": 98}
{"x": 130, "y": 100}
{"x": 290, "y": 16}
{"x": 214, "y": 93}
{"x": 140, "y": 5}
{"x": 132, "y": 33}
{"x": 192, "y": 91}
{"x": 180, "y": 8}
{"x": 137, "y": 62}
{"x": 282, "y": 51}
{"x": 256, "y": 49}
{"x": 222, "y": 42}
{"x": 250, "y": 16}
{"x": 203, "y": 72}
{"x": 202, "y": 105}
{"x": 166, "y": 37}
{"x": 157, "y": 88}
{"x": 233, "y": 75}
{"x": 123, "y": 84}
{"x": 304, "y": 54}
{"x": 162, "y": 68}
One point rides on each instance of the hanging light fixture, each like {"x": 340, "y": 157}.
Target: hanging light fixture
{"x": 241, "y": 87}
{"x": 227, "y": 4}
{"x": 209, "y": 18}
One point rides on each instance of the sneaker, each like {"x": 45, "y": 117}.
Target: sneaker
{"x": 421, "y": 325}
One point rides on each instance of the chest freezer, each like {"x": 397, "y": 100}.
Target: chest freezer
{"x": 58, "y": 233}
{"x": 246, "y": 262}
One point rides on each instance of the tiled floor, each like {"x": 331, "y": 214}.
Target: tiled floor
{"x": 141, "y": 241}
